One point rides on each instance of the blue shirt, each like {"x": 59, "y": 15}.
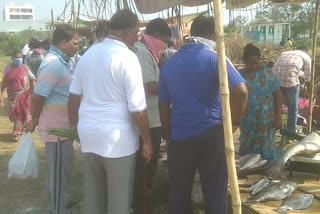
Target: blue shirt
{"x": 190, "y": 82}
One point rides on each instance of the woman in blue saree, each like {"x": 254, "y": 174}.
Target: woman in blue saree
{"x": 263, "y": 114}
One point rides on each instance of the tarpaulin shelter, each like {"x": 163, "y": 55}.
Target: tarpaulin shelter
{"x": 152, "y": 6}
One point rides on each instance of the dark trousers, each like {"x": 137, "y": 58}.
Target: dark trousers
{"x": 144, "y": 174}
{"x": 206, "y": 153}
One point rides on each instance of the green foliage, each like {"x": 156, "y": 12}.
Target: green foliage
{"x": 11, "y": 43}
{"x": 234, "y": 26}
{"x": 302, "y": 43}
{"x": 300, "y": 16}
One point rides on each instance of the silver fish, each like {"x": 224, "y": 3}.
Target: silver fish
{"x": 300, "y": 202}
{"x": 244, "y": 159}
{"x": 274, "y": 192}
{"x": 259, "y": 164}
{"x": 308, "y": 145}
{"x": 251, "y": 161}
{"x": 256, "y": 188}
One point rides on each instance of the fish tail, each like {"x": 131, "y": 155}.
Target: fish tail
{"x": 274, "y": 172}
{"x": 249, "y": 202}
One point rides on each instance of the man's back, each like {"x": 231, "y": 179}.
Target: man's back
{"x": 190, "y": 80}
{"x": 108, "y": 76}
{"x": 290, "y": 64}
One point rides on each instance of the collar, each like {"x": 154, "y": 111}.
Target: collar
{"x": 192, "y": 46}
{"x": 62, "y": 56}
{"x": 113, "y": 39}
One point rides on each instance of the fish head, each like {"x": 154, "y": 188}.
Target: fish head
{"x": 291, "y": 187}
{"x": 308, "y": 197}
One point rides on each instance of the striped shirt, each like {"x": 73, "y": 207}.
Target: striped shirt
{"x": 53, "y": 83}
{"x": 290, "y": 64}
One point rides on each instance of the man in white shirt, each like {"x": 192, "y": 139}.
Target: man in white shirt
{"x": 149, "y": 50}
{"x": 112, "y": 112}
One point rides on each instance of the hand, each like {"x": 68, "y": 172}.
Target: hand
{"x": 2, "y": 104}
{"x": 31, "y": 126}
{"x": 147, "y": 151}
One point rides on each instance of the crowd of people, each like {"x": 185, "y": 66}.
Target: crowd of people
{"x": 127, "y": 93}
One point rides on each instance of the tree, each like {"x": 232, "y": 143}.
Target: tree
{"x": 300, "y": 16}
{"x": 234, "y": 26}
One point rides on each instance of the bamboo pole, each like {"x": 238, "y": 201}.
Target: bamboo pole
{"x": 226, "y": 113}
{"x": 52, "y": 21}
{"x": 313, "y": 67}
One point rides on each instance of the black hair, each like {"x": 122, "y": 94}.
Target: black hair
{"x": 15, "y": 53}
{"x": 170, "y": 43}
{"x": 122, "y": 20}
{"x": 34, "y": 43}
{"x": 102, "y": 29}
{"x": 249, "y": 51}
{"x": 158, "y": 25}
{"x": 61, "y": 33}
{"x": 202, "y": 26}
{"x": 46, "y": 44}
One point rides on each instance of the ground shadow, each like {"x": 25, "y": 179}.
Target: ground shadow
{"x": 5, "y": 110}
{"x": 6, "y": 138}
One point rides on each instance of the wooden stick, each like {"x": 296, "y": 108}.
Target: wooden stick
{"x": 226, "y": 113}
{"x": 313, "y": 67}
{"x": 52, "y": 21}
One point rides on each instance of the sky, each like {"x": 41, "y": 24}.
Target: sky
{"x": 43, "y": 8}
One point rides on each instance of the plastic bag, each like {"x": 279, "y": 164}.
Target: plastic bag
{"x": 25, "y": 161}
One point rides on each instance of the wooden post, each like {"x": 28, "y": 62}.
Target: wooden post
{"x": 226, "y": 113}
{"x": 52, "y": 21}
{"x": 313, "y": 67}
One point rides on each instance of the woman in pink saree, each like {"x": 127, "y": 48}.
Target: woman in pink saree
{"x": 19, "y": 81}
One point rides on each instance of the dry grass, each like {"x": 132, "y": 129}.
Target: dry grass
{"x": 236, "y": 44}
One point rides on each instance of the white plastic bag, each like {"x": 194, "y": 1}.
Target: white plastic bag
{"x": 25, "y": 161}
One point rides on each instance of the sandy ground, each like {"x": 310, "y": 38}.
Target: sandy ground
{"x": 28, "y": 196}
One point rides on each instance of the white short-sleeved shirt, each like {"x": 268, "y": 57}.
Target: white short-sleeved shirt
{"x": 25, "y": 49}
{"x": 108, "y": 76}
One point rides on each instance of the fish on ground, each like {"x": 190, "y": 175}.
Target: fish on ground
{"x": 244, "y": 159}
{"x": 260, "y": 163}
{"x": 308, "y": 145}
{"x": 274, "y": 192}
{"x": 251, "y": 161}
{"x": 256, "y": 188}
{"x": 300, "y": 202}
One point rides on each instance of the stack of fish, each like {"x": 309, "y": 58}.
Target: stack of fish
{"x": 267, "y": 190}
{"x": 250, "y": 161}
{"x": 274, "y": 190}
{"x": 308, "y": 145}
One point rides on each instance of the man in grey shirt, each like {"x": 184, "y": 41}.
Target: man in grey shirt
{"x": 149, "y": 50}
